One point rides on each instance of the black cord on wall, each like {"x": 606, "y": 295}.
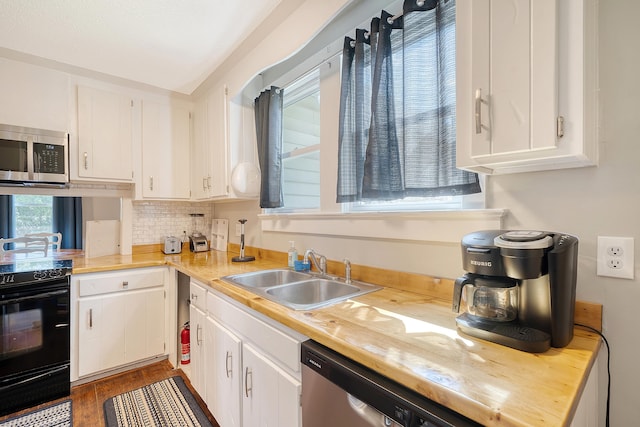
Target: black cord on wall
{"x": 608, "y": 366}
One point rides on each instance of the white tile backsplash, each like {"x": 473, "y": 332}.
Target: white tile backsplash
{"x": 154, "y": 220}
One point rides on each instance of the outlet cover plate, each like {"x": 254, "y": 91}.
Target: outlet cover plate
{"x": 615, "y": 257}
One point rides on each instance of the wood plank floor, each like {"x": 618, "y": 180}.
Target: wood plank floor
{"x": 88, "y": 398}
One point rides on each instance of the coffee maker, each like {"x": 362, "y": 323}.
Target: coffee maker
{"x": 519, "y": 289}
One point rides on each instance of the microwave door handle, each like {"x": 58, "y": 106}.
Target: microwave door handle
{"x": 30, "y": 162}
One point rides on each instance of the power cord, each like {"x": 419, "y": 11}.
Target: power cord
{"x": 608, "y": 366}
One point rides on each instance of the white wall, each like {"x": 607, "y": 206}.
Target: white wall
{"x": 587, "y": 202}
{"x": 599, "y": 201}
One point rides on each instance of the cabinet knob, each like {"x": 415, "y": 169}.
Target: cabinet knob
{"x": 125, "y": 284}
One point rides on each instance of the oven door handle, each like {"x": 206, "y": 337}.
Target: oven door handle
{"x": 34, "y": 297}
{"x": 37, "y": 377}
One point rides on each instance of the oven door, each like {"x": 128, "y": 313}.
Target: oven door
{"x": 34, "y": 327}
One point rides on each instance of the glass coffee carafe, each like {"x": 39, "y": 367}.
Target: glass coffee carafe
{"x": 491, "y": 299}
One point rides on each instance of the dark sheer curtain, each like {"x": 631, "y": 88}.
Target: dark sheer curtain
{"x": 67, "y": 219}
{"x": 268, "y": 114}
{"x": 406, "y": 145}
{"x": 6, "y": 216}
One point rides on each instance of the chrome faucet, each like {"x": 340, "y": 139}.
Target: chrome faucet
{"x": 320, "y": 261}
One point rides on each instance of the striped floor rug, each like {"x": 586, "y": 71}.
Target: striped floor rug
{"x": 58, "y": 415}
{"x": 164, "y": 403}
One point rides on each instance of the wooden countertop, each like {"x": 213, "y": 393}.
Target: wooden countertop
{"x": 411, "y": 336}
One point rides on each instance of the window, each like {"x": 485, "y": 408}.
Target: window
{"x": 301, "y": 143}
{"x": 32, "y": 214}
{"x": 310, "y": 160}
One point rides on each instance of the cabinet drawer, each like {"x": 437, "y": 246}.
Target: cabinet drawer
{"x": 198, "y": 295}
{"x": 282, "y": 348}
{"x": 104, "y": 283}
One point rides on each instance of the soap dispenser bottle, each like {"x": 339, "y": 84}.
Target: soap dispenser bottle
{"x": 292, "y": 254}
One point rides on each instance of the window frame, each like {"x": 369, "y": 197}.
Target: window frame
{"x": 433, "y": 223}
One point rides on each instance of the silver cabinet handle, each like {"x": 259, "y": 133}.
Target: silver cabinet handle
{"x": 151, "y": 183}
{"x": 86, "y": 160}
{"x": 125, "y": 285}
{"x": 194, "y": 297}
{"x": 226, "y": 364}
{"x": 209, "y": 182}
{"x": 247, "y": 389}
{"x": 204, "y": 182}
{"x": 91, "y": 318}
{"x": 478, "y": 110}
{"x": 198, "y": 334}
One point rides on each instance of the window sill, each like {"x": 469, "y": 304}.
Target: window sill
{"x": 435, "y": 226}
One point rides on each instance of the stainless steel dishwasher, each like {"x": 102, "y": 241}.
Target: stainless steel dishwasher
{"x": 339, "y": 392}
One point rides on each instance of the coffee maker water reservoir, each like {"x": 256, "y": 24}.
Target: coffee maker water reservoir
{"x": 519, "y": 289}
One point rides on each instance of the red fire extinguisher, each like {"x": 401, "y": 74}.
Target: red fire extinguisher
{"x": 185, "y": 342}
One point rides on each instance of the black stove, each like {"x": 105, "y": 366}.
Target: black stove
{"x": 34, "y": 332}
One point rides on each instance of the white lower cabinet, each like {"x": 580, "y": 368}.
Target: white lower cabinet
{"x": 249, "y": 371}
{"x": 270, "y": 396}
{"x": 120, "y": 318}
{"x": 224, "y": 373}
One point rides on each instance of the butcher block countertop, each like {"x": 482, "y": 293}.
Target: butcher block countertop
{"x": 407, "y": 332}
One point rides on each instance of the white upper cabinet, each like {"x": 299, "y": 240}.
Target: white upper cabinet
{"x": 166, "y": 140}
{"x": 526, "y": 89}
{"x": 210, "y": 177}
{"x": 105, "y": 135}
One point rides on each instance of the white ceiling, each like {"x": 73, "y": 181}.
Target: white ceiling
{"x": 169, "y": 44}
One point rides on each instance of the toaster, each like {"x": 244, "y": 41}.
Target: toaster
{"x": 198, "y": 243}
{"x": 172, "y": 245}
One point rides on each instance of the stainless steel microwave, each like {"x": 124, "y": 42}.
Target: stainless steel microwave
{"x": 33, "y": 156}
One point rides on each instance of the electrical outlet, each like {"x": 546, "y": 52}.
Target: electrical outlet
{"x": 238, "y": 230}
{"x": 615, "y": 257}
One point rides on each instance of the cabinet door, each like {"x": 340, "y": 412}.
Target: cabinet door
{"x": 100, "y": 333}
{"x": 197, "y": 330}
{"x": 223, "y": 375}
{"x": 271, "y": 397}
{"x": 105, "y": 138}
{"x": 200, "y": 165}
{"x": 514, "y": 68}
{"x": 143, "y": 314}
{"x": 218, "y": 133}
{"x": 166, "y": 134}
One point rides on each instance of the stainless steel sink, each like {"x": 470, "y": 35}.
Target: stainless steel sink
{"x": 297, "y": 290}
{"x": 266, "y": 278}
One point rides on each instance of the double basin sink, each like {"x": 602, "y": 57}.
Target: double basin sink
{"x": 299, "y": 290}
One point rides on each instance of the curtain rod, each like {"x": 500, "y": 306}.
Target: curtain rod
{"x": 390, "y": 20}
